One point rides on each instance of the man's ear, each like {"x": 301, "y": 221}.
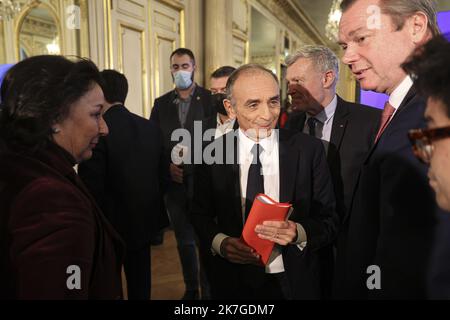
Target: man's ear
{"x": 328, "y": 79}
{"x": 229, "y": 108}
{"x": 418, "y": 27}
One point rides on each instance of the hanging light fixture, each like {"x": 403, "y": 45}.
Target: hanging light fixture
{"x": 53, "y": 48}
{"x": 332, "y": 27}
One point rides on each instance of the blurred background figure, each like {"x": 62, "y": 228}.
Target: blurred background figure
{"x": 222, "y": 121}
{"x": 127, "y": 175}
{"x": 179, "y": 109}
{"x": 55, "y": 242}
{"x": 430, "y": 68}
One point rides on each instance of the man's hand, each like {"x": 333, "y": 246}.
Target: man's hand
{"x": 281, "y": 232}
{"x": 176, "y": 173}
{"x": 302, "y": 100}
{"x": 234, "y": 250}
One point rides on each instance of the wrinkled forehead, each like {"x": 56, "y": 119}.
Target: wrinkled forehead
{"x": 258, "y": 82}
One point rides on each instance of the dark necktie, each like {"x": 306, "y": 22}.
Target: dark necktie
{"x": 312, "y": 123}
{"x": 255, "y": 179}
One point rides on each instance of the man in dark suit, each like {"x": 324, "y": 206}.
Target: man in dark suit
{"x": 346, "y": 129}
{"x": 392, "y": 217}
{"x": 127, "y": 175}
{"x": 286, "y": 166}
{"x": 179, "y": 109}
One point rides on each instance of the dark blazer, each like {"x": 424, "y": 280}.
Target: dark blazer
{"x": 128, "y": 174}
{"x": 304, "y": 181}
{"x": 392, "y": 217}
{"x": 352, "y": 134}
{"x": 209, "y": 123}
{"x": 49, "y": 221}
{"x": 165, "y": 113}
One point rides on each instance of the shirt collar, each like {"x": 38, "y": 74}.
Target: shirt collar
{"x": 188, "y": 99}
{"x": 246, "y": 144}
{"x": 397, "y": 96}
{"x": 327, "y": 113}
{"x": 225, "y": 123}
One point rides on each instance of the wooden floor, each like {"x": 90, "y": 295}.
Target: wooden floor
{"x": 167, "y": 278}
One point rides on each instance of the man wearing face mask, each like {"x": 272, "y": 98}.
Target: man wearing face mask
{"x": 178, "y": 109}
{"x": 222, "y": 121}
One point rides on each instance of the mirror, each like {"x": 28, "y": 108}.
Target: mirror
{"x": 38, "y": 33}
{"x": 264, "y": 37}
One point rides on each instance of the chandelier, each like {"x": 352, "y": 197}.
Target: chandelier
{"x": 9, "y": 8}
{"x": 332, "y": 27}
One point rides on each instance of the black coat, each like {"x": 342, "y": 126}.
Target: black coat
{"x": 352, "y": 134}
{"x": 304, "y": 181}
{"x": 127, "y": 174}
{"x": 392, "y": 218}
{"x": 165, "y": 113}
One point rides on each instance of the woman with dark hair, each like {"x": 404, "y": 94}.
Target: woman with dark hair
{"x": 54, "y": 241}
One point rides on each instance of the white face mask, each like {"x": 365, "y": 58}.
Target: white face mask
{"x": 183, "y": 79}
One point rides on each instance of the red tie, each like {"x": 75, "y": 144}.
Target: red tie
{"x": 388, "y": 111}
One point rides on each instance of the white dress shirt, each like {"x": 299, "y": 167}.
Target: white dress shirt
{"x": 271, "y": 170}
{"x": 398, "y": 95}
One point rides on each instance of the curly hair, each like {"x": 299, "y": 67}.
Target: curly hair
{"x": 429, "y": 66}
{"x": 38, "y": 92}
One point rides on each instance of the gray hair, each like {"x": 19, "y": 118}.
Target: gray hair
{"x": 250, "y": 68}
{"x": 324, "y": 58}
{"x": 400, "y": 10}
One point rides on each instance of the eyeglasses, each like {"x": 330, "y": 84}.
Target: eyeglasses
{"x": 422, "y": 141}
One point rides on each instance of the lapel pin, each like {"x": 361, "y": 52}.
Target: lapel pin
{"x": 198, "y": 98}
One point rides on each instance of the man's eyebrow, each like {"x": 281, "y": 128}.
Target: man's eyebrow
{"x": 277, "y": 97}
{"x": 351, "y": 34}
{"x": 250, "y": 101}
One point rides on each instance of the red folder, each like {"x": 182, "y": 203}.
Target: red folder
{"x": 264, "y": 208}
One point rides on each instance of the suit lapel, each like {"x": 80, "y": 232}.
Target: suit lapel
{"x": 173, "y": 112}
{"x": 301, "y": 122}
{"x": 409, "y": 96}
{"x": 195, "y": 111}
{"x": 233, "y": 174}
{"x": 339, "y": 125}
{"x": 288, "y": 167}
